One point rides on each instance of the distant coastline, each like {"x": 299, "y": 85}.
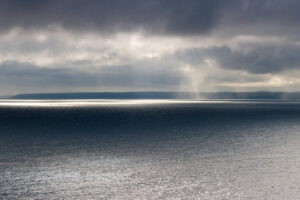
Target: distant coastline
{"x": 161, "y": 95}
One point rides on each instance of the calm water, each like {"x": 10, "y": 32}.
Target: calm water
{"x": 149, "y": 150}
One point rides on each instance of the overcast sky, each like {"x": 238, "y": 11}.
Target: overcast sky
{"x": 149, "y": 45}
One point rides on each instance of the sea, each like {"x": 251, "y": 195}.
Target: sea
{"x": 149, "y": 149}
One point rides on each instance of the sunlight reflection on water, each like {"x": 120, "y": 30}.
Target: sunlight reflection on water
{"x": 97, "y": 102}
{"x": 151, "y": 150}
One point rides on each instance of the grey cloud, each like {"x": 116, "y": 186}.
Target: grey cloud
{"x": 253, "y": 11}
{"x": 258, "y": 59}
{"x": 26, "y": 45}
{"x": 24, "y": 76}
{"x": 155, "y": 16}
{"x": 179, "y": 16}
{"x": 261, "y": 17}
{"x": 278, "y": 18}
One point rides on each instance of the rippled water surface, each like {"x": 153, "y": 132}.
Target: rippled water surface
{"x": 149, "y": 150}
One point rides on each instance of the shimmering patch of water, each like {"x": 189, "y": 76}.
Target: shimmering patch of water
{"x": 149, "y": 150}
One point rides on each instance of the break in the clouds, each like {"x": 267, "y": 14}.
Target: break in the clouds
{"x": 137, "y": 45}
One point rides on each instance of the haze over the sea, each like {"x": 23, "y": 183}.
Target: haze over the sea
{"x": 162, "y": 95}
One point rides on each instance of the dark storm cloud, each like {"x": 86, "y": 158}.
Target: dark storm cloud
{"x": 158, "y": 16}
{"x": 253, "y": 11}
{"x": 271, "y": 17}
{"x": 258, "y": 59}
{"x": 178, "y": 16}
{"x": 77, "y": 36}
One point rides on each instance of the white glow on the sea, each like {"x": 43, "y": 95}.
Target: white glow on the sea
{"x": 113, "y": 102}
{"x": 71, "y": 103}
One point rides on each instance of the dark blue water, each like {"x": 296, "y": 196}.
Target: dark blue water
{"x": 149, "y": 150}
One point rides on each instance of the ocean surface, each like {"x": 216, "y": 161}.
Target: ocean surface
{"x": 149, "y": 149}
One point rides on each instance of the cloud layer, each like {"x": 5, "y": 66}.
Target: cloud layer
{"x": 256, "y": 59}
{"x": 156, "y": 16}
{"x": 137, "y": 45}
{"x": 170, "y": 16}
